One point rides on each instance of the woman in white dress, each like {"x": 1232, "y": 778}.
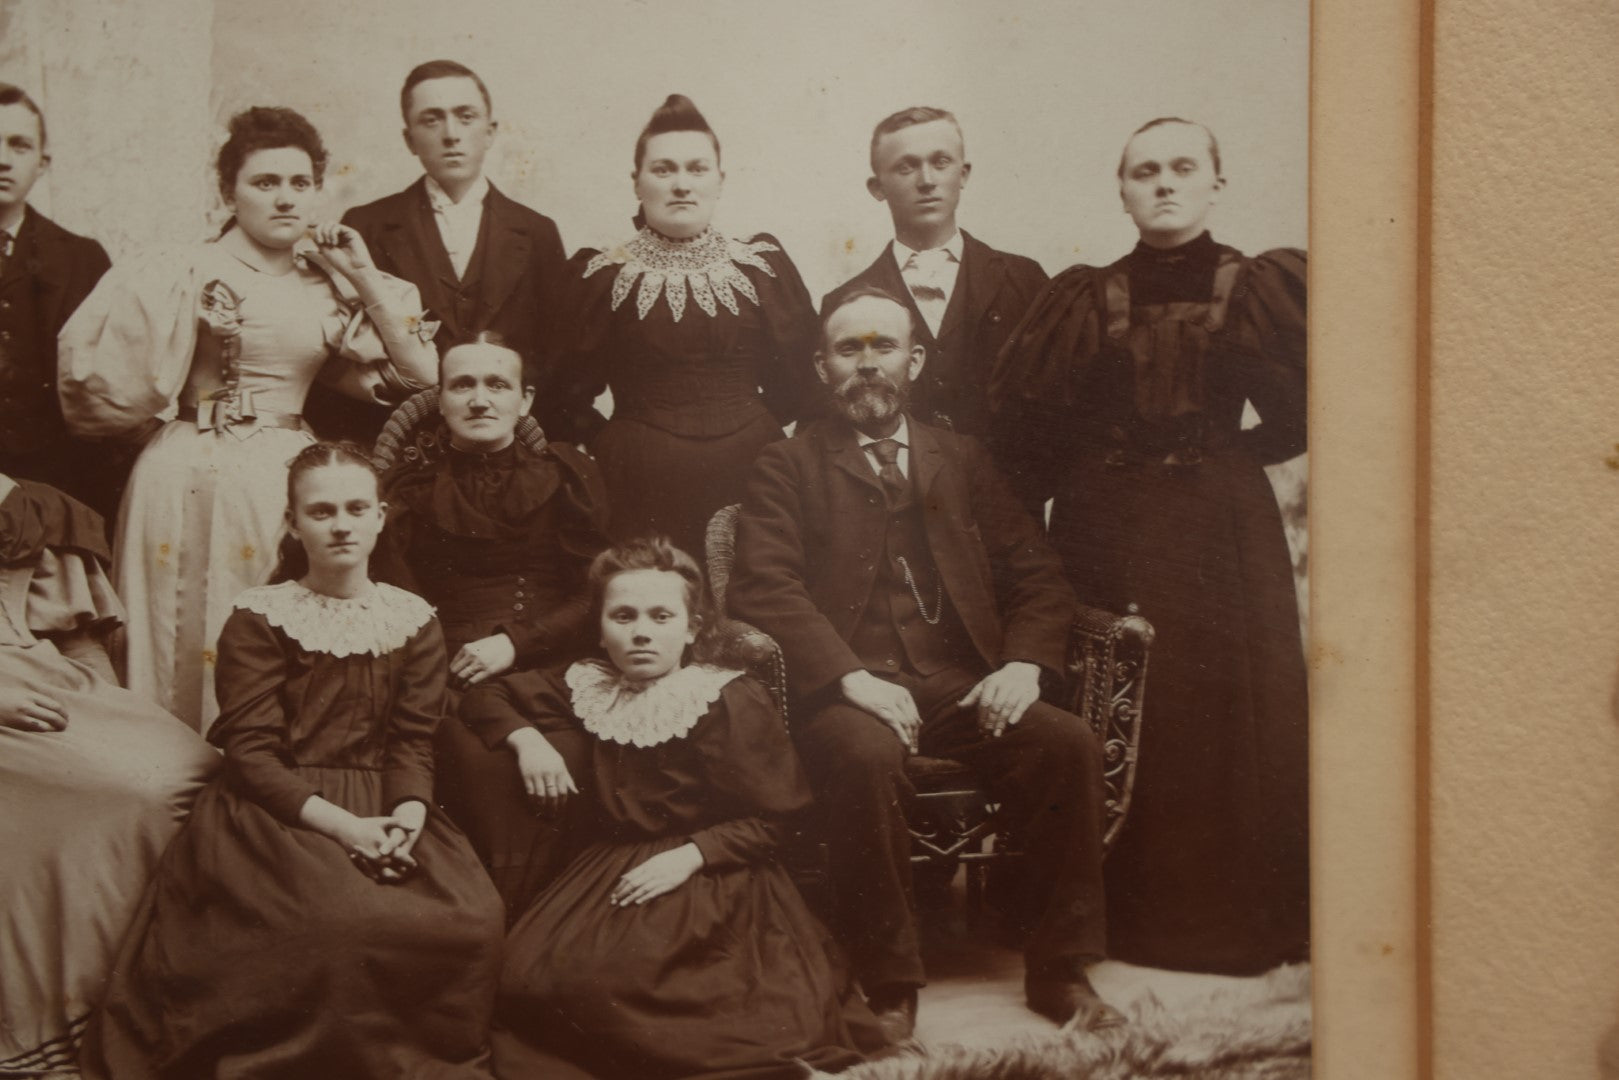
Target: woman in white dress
{"x": 214, "y": 349}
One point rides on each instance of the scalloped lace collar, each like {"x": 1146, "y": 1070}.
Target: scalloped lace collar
{"x": 709, "y": 264}
{"x": 643, "y": 714}
{"x": 376, "y": 622}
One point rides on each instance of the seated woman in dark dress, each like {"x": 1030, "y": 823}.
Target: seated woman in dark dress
{"x": 314, "y": 918}
{"x": 705, "y": 342}
{"x": 497, "y": 533}
{"x": 1121, "y": 397}
{"x": 674, "y": 945}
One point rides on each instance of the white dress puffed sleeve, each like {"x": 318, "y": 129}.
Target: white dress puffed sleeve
{"x": 382, "y": 352}
{"x": 123, "y": 356}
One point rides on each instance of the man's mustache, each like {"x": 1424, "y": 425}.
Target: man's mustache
{"x": 876, "y": 381}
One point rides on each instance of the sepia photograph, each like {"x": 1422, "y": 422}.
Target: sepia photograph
{"x": 631, "y": 541}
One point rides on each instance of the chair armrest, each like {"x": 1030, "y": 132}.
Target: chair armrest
{"x": 1107, "y": 672}
{"x": 743, "y": 645}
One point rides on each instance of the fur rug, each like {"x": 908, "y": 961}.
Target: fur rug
{"x": 1259, "y": 1031}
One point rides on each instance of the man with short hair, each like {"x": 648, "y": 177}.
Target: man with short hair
{"x": 918, "y": 606}
{"x": 964, "y": 295}
{"x": 498, "y": 534}
{"x": 45, "y": 273}
{"x": 481, "y": 260}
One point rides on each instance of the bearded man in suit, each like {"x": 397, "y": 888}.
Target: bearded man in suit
{"x": 482, "y": 261}
{"x": 918, "y": 607}
{"x": 964, "y": 296}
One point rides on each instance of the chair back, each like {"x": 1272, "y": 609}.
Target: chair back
{"x": 414, "y": 433}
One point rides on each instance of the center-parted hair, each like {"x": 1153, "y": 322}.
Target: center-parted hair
{"x": 292, "y": 561}
{"x": 440, "y": 69}
{"x": 1214, "y": 145}
{"x": 677, "y": 113}
{"x": 527, "y": 372}
{"x": 659, "y": 553}
{"x": 916, "y": 114}
{"x": 267, "y": 127}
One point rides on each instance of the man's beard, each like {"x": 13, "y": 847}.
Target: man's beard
{"x": 872, "y": 400}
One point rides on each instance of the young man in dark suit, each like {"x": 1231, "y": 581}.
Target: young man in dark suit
{"x": 964, "y": 295}
{"x": 45, "y": 273}
{"x": 481, "y": 260}
{"x": 917, "y": 606}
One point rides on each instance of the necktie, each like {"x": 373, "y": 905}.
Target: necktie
{"x": 887, "y": 451}
{"x": 6, "y": 242}
{"x": 926, "y": 282}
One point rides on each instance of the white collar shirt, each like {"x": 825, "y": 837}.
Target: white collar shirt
{"x": 458, "y": 222}
{"x": 902, "y": 435}
{"x": 931, "y": 277}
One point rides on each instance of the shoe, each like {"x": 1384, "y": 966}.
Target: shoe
{"x": 895, "y": 1009}
{"x": 1072, "y": 1003}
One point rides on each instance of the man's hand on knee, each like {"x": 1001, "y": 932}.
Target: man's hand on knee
{"x": 891, "y": 704}
{"x": 1002, "y": 697}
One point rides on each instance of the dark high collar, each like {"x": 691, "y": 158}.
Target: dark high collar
{"x": 1165, "y": 275}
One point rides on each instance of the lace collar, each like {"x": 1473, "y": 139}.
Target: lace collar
{"x": 709, "y": 263}
{"x": 643, "y": 714}
{"x": 376, "y": 622}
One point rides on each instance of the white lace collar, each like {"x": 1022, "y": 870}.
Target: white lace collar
{"x": 376, "y": 622}
{"x": 643, "y": 714}
{"x": 709, "y": 263}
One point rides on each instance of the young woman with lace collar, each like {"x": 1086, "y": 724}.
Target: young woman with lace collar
{"x": 315, "y": 917}
{"x": 704, "y": 340}
{"x": 675, "y": 944}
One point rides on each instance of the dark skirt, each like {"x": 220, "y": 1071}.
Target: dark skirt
{"x": 261, "y": 951}
{"x": 727, "y": 976}
{"x": 1211, "y": 872}
{"x": 672, "y": 484}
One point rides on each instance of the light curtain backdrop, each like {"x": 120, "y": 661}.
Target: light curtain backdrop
{"x": 137, "y": 94}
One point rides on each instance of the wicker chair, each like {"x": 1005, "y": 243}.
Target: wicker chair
{"x": 954, "y": 819}
{"x": 414, "y": 432}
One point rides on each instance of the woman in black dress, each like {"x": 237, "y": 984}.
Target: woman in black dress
{"x": 704, "y": 340}
{"x": 675, "y": 944}
{"x": 1121, "y": 395}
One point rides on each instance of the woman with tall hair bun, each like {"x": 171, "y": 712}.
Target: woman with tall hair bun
{"x": 208, "y": 353}
{"x": 315, "y": 917}
{"x": 705, "y": 342}
{"x": 1121, "y": 397}
{"x": 674, "y": 944}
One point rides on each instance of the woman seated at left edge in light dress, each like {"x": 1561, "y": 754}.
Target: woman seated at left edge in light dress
{"x": 221, "y": 343}
{"x": 94, "y": 781}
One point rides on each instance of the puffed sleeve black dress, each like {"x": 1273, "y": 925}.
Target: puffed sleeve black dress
{"x": 1121, "y": 396}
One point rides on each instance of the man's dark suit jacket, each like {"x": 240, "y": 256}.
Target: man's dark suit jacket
{"x": 515, "y": 292}
{"x": 812, "y": 528}
{"x": 48, "y": 275}
{"x": 993, "y": 290}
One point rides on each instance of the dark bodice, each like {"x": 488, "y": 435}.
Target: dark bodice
{"x": 497, "y": 542}
{"x": 1153, "y": 357}
{"x": 700, "y": 375}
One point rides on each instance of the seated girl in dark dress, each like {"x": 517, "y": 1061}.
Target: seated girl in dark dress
{"x": 674, "y": 945}
{"x": 313, "y": 918}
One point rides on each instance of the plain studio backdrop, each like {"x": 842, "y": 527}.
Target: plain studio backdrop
{"x": 138, "y": 94}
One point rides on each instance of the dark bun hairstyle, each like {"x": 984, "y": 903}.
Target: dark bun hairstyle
{"x": 677, "y": 113}
{"x": 266, "y": 127}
